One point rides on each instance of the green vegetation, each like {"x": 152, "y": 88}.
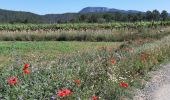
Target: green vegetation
{"x": 93, "y": 36}
{"x": 82, "y": 26}
{"x": 44, "y": 52}
{"x": 100, "y": 71}
{"x": 104, "y": 70}
{"x": 101, "y": 17}
{"x": 113, "y": 32}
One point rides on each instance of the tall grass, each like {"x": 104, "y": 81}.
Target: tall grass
{"x": 89, "y": 35}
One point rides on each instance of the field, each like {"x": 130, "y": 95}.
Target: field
{"x": 97, "y": 61}
{"x": 34, "y": 52}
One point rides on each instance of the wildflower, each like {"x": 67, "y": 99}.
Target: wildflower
{"x": 129, "y": 49}
{"x": 94, "y": 98}
{"x": 77, "y": 82}
{"x": 26, "y": 66}
{"x": 52, "y": 98}
{"x": 12, "y": 80}
{"x": 144, "y": 57}
{"x": 26, "y": 71}
{"x": 67, "y": 91}
{"x": 63, "y": 93}
{"x": 113, "y": 61}
{"x": 123, "y": 84}
{"x": 60, "y": 93}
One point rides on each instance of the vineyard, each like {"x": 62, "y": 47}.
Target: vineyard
{"x": 80, "y": 61}
{"x": 82, "y": 26}
{"x": 109, "y": 32}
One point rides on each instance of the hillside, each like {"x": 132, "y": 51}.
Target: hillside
{"x": 8, "y": 16}
{"x": 105, "y": 9}
{"x": 87, "y": 15}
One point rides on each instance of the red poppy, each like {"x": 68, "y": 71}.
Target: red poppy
{"x": 113, "y": 61}
{"x": 123, "y": 84}
{"x": 12, "y": 80}
{"x": 63, "y": 93}
{"x": 94, "y": 98}
{"x": 26, "y": 71}
{"x": 26, "y": 66}
{"x": 67, "y": 91}
{"x": 77, "y": 82}
{"x": 60, "y": 93}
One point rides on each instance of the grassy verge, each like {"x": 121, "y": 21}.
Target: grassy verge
{"x": 44, "y": 52}
{"x": 106, "y": 73}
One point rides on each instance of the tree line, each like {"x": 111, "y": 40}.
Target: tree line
{"x": 154, "y": 15}
{"x": 26, "y": 17}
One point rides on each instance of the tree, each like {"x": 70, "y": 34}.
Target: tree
{"x": 130, "y": 17}
{"x": 140, "y": 16}
{"x": 118, "y": 16}
{"x": 164, "y": 15}
{"x": 156, "y": 15}
{"x": 94, "y": 18}
{"x": 148, "y": 16}
{"x": 83, "y": 18}
{"x": 108, "y": 17}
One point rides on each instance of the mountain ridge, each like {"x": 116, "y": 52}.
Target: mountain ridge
{"x": 10, "y": 16}
{"x": 84, "y": 10}
{"x": 105, "y": 9}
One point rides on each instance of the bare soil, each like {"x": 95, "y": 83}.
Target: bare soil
{"x": 158, "y": 88}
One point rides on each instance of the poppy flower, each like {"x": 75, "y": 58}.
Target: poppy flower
{"x": 94, "y": 98}
{"x": 113, "y": 61}
{"x": 26, "y": 66}
{"x": 12, "y": 80}
{"x": 67, "y": 91}
{"x": 63, "y": 93}
{"x": 26, "y": 71}
{"x": 77, "y": 82}
{"x": 123, "y": 84}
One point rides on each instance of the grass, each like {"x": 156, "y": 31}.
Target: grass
{"x": 100, "y": 71}
{"x": 44, "y": 51}
{"x": 107, "y": 70}
{"x": 110, "y": 35}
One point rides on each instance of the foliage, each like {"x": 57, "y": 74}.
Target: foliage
{"x": 82, "y": 26}
{"x": 27, "y": 17}
{"x": 93, "y": 33}
{"x": 104, "y": 73}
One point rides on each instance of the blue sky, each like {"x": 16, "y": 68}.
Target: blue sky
{"x": 62, "y": 6}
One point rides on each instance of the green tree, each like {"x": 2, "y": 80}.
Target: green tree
{"x": 148, "y": 16}
{"x": 156, "y": 15}
{"x": 118, "y": 16}
{"x": 140, "y": 16}
{"x": 108, "y": 17}
{"x": 164, "y": 15}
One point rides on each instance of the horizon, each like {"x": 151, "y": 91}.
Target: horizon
{"x": 60, "y": 7}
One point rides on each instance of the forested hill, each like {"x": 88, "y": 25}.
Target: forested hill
{"x": 89, "y": 15}
{"x": 105, "y": 9}
{"x": 7, "y": 16}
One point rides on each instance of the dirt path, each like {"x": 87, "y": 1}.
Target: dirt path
{"x": 158, "y": 88}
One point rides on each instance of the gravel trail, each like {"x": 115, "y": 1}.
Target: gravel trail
{"x": 158, "y": 88}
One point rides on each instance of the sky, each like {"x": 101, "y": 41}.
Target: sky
{"x": 62, "y": 6}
